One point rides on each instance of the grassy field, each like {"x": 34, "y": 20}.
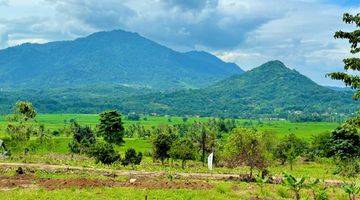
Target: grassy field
{"x": 57, "y": 153}
{"x": 280, "y": 128}
{"x": 223, "y": 190}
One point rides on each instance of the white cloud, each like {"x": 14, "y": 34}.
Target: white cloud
{"x": 247, "y": 32}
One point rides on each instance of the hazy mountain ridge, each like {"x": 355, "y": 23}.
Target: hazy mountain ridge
{"x": 114, "y": 57}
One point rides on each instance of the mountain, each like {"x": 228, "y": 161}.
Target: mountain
{"x": 109, "y": 58}
{"x": 269, "y": 90}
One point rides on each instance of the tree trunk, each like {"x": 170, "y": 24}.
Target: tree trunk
{"x": 251, "y": 172}
{"x": 183, "y": 164}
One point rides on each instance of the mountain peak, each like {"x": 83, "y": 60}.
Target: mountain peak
{"x": 274, "y": 64}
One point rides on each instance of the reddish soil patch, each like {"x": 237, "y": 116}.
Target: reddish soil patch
{"x": 161, "y": 184}
{"x": 52, "y": 184}
{"x": 16, "y": 181}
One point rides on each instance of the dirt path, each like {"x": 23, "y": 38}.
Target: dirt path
{"x": 135, "y": 173}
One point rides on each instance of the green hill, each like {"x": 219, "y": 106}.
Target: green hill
{"x": 269, "y": 90}
{"x": 109, "y": 58}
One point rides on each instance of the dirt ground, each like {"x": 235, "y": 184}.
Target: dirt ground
{"x": 30, "y": 181}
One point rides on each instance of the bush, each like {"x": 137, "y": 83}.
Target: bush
{"x": 320, "y": 146}
{"x": 131, "y": 158}
{"x": 247, "y": 147}
{"x": 289, "y": 149}
{"x": 162, "y": 140}
{"x": 104, "y": 153}
{"x": 345, "y": 148}
{"x": 83, "y": 138}
{"x": 183, "y": 149}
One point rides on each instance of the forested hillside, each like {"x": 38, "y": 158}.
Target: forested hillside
{"x": 271, "y": 90}
{"x": 109, "y": 58}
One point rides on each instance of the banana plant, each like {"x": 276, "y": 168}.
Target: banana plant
{"x": 352, "y": 189}
{"x": 297, "y": 184}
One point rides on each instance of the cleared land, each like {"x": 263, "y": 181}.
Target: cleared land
{"x": 51, "y": 172}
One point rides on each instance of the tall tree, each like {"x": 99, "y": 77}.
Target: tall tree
{"x": 352, "y": 63}
{"x": 111, "y": 127}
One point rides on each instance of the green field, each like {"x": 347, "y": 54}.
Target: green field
{"x": 280, "y": 127}
{"x": 57, "y": 153}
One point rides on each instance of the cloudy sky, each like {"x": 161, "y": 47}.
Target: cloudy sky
{"x": 247, "y": 32}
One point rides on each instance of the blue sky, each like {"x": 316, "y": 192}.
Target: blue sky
{"x": 247, "y": 32}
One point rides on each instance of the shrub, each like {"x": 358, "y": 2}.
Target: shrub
{"x": 83, "y": 138}
{"x": 183, "y": 149}
{"x": 289, "y": 149}
{"x": 162, "y": 140}
{"x": 345, "y": 148}
{"x": 131, "y": 158}
{"x": 104, "y": 153}
{"x": 320, "y": 146}
{"x": 25, "y": 110}
{"x": 247, "y": 147}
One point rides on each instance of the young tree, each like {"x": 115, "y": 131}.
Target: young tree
{"x": 247, "y": 147}
{"x": 350, "y": 63}
{"x": 289, "y": 149}
{"x": 183, "y": 149}
{"x": 83, "y": 138}
{"x": 162, "y": 140}
{"x": 345, "y": 148}
{"x": 205, "y": 138}
{"x": 25, "y": 110}
{"x": 111, "y": 127}
{"x": 104, "y": 153}
{"x": 131, "y": 158}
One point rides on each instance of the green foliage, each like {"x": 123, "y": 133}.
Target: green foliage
{"x": 20, "y": 132}
{"x": 271, "y": 90}
{"x": 296, "y": 185}
{"x": 25, "y": 110}
{"x": 354, "y": 62}
{"x": 289, "y": 149}
{"x": 133, "y": 117}
{"x": 346, "y": 142}
{"x": 351, "y": 189}
{"x": 345, "y": 148}
{"x": 83, "y": 138}
{"x": 204, "y": 137}
{"x": 110, "y": 127}
{"x": 137, "y": 130}
{"x": 320, "y": 146}
{"x": 131, "y": 158}
{"x": 247, "y": 147}
{"x": 162, "y": 140}
{"x": 104, "y": 153}
{"x": 183, "y": 149}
